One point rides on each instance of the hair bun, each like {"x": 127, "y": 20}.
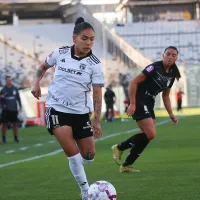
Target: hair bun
{"x": 79, "y": 20}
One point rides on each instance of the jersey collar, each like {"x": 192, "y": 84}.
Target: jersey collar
{"x": 78, "y": 58}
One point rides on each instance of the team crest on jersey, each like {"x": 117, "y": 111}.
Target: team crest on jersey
{"x": 169, "y": 81}
{"x": 82, "y": 67}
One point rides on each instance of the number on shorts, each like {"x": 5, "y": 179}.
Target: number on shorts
{"x": 55, "y": 119}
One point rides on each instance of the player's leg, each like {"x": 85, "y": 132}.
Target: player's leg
{"x": 65, "y": 138}
{"x": 139, "y": 142}
{"x": 60, "y": 125}
{"x": 87, "y": 149}
{"x": 83, "y": 134}
{"x": 4, "y": 120}
{"x": 118, "y": 149}
{"x": 14, "y": 121}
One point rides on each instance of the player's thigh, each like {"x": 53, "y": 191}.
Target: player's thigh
{"x": 13, "y": 117}
{"x": 5, "y": 117}
{"x": 83, "y": 134}
{"x": 86, "y": 147}
{"x": 65, "y": 138}
{"x": 148, "y": 126}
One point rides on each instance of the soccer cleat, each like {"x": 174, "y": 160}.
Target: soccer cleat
{"x": 84, "y": 194}
{"x": 117, "y": 154}
{"x": 127, "y": 169}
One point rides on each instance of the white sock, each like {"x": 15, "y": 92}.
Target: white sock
{"x": 85, "y": 162}
{"x": 77, "y": 169}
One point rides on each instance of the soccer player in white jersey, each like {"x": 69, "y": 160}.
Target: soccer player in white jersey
{"x": 68, "y": 103}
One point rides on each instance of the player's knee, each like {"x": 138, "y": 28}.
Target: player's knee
{"x": 88, "y": 158}
{"x": 151, "y": 135}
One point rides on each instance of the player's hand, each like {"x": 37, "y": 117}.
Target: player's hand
{"x": 36, "y": 91}
{"x": 131, "y": 110}
{"x": 174, "y": 119}
{"x": 3, "y": 95}
{"x": 97, "y": 129}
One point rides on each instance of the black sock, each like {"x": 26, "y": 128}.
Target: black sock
{"x": 4, "y": 138}
{"x": 16, "y": 138}
{"x": 129, "y": 143}
{"x": 140, "y": 142}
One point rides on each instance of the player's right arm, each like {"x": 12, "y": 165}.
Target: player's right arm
{"x": 148, "y": 71}
{"x": 50, "y": 62}
{"x": 132, "y": 92}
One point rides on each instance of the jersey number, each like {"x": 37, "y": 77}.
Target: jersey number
{"x": 55, "y": 119}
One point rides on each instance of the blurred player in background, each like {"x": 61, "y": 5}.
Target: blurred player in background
{"x": 155, "y": 78}
{"x": 9, "y": 98}
{"x": 68, "y": 103}
{"x": 179, "y": 97}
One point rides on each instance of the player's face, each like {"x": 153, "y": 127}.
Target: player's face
{"x": 84, "y": 41}
{"x": 9, "y": 81}
{"x": 169, "y": 57}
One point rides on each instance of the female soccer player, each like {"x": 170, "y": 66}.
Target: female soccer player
{"x": 155, "y": 78}
{"x": 68, "y": 103}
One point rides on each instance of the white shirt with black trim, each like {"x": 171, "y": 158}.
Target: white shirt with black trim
{"x": 69, "y": 91}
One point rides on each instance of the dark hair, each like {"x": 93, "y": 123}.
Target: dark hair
{"x": 81, "y": 25}
{"x": 7, "y": 77}
{"x": 171, "y": 47}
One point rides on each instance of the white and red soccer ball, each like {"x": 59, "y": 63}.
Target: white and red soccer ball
{"x": 102, "y": 190}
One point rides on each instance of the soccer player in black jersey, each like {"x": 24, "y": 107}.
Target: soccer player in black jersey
{"x": 155, "y": 78}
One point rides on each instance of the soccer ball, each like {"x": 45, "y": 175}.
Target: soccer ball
{"x": 102, "y": 190}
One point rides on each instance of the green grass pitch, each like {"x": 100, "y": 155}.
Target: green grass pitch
{"x": 170, "y": 165}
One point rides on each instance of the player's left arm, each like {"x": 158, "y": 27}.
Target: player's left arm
{"x": 97, "y": 83}
{"x": 97, "y": 99}
{"x": 167, "y": 103}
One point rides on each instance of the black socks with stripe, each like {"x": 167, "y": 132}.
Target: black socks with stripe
{"x": 137, "y": 143}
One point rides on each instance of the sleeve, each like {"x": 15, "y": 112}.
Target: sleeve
{"x": 51, "y": 59}
{"x": 97, "y": 76}
{"x": 149, "y": 70}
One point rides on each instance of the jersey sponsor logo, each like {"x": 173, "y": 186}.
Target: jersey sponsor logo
{"x": 149, "y": 94}
{"x": 71, "y": 71}
{"x": 150, "y": 68}
{"x": 63, "y": 102}
{"x": 82, "y": 67}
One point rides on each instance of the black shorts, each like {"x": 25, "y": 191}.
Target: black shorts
{"x": 80, "y": 123}
{"x": 142, "y": 112}
{"x": 9, "y": 116}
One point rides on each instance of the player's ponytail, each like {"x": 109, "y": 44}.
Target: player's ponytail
{"x": 81, "y": 25}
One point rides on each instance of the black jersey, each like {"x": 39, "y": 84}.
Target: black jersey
{"x": 157, "y": 80}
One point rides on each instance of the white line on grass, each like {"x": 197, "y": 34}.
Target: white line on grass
{"x": 38, "y": 145}
{"x": 23, "y": 148}
{"x": 60, "y": 150}
{"x": 10, "y": 151}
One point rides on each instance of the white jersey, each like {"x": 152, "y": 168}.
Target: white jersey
{"x": 69, "y": 91}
